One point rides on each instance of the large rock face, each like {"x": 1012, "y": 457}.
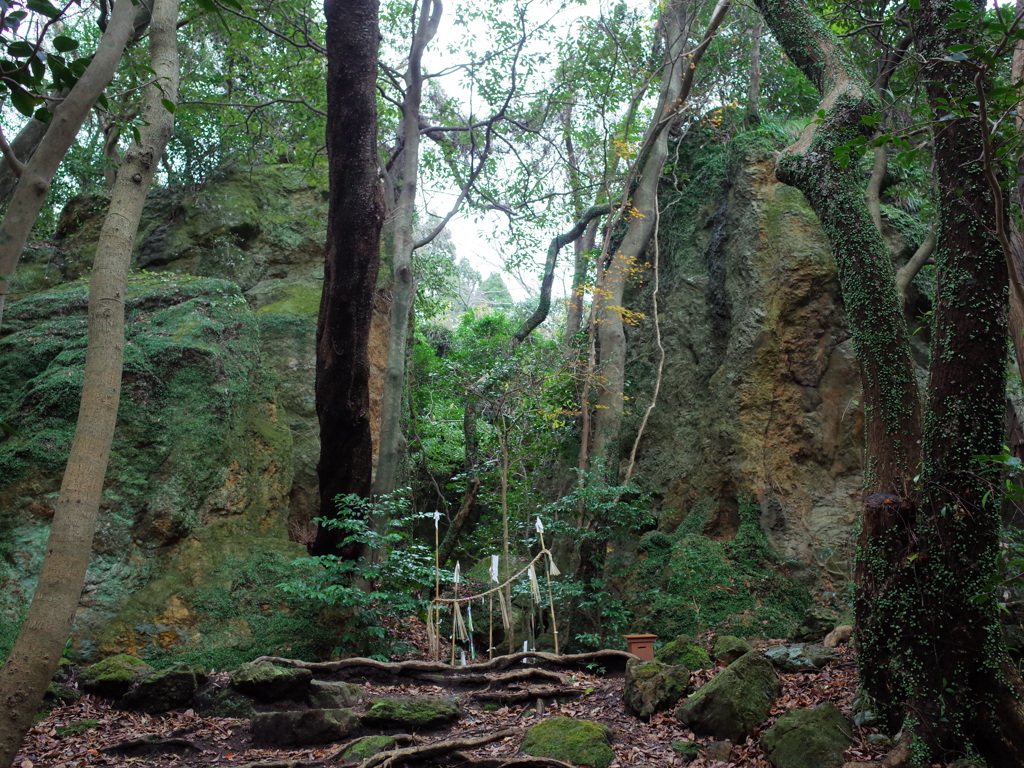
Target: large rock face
{"x": 212, "y": 476}
{"x": 760, "y": 391}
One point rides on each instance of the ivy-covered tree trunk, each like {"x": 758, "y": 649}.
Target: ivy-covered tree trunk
{"x": 40, "y": 643}
{"x": 930, "y": 649}
{"x": 354, "y": 220}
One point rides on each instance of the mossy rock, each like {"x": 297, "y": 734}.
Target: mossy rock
{"x": 411, "y": 712}
{"x": 294, "y": 729}
{"x": 809, "y": 738}
{"x": 683, "y": 651}
{"x": 815, "y": 624}
{"x": 60, "y": 694}
{"x": 113, "y": 676}
{"x": 328, "y": 695}
{"x": 653, "y": 687}
{"x": 580, "y": 742}
{"x": 729, "y": 648}
{"x": 223, "y": 702}
{"x": 801, "y": 657}
{"x": 165, "y": 689}
{"x": 77, "y": 727}
{"x": 735, "y": 701}
{"x": 268, "y": 682}
{"x": 367, "y": 747}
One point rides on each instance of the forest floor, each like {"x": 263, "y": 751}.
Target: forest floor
{"x": 91, "y": 732}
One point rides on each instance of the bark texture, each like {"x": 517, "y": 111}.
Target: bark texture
{"x": 37, "y": 651}
{"x": 930, "y": 652}
{"x": 403, "y": 245}
{"x": 352, "y": 258}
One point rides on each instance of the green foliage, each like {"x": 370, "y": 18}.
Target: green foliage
{"x": 243, "y": 615}
{"x": 390, "y": 580}
{"x": 684, "y": 583}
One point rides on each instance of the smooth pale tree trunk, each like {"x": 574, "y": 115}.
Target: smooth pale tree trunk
{"x": 403, "y": 291}
{"x": 354, "y": 220}
{"x": 30, "y": 194}
{"x": 640, "y": 214}
{"x": 37, "y": 651}
{"x": 23, "y": 146}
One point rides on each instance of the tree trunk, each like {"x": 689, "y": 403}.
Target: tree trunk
{"x": 929, "y": 649}
{"x": 354, "y": 220}
{"x": 37, "y": 651}
{"x": 936, "y": 574}
{"x": 404, "y": 288}
{"x": 68, "y": 117}
{"x": 23, "y": 146}
{"x": 753, "y": 116}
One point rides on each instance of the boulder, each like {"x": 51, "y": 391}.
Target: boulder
{"x": 366, "y": 747}
{"x": 411, "y": 711}
{"x": 580, "y": 742}
{"x": 808, "y": 738}
{"x": 165, "y": 689}
{"x": 839, "y": 636}
{"x": 57, "y": 694}
{"x": 113, "y": 676}
{"x": 267, "y": 682}
{"x": 683, "y": 651}
{"x": 800, "y": 657}
{"x": 816, "y": 623}
{"x": 729, "y": 648}
{"x": 734, "y": 701}
{"x": 652, "y": 686}
{"x": 328, "y": 695}
{"x": 295, "y": 729}
{"x": 223, "y": 702}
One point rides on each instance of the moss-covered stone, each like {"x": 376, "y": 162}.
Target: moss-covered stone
{"x": 328, "y": 695}
{"x": 729, "y": 648}
{"x": 683, "y": 651}
{"x": 311, "y": 726}
{"x": 411, "y": 711}
{"x": 268, "y": 682}
{"x": 113, "y": 676}
{"x": 815, "y": 624}
{"x": 580, "y": 742}
{"x": 77, "y": 727}
{"x": 223, "y": 702}
{"x": 800, "y": 657}
{"x": 367, "y": 747}
{"x": 652, "y": 687}
{"x": 60, "y": 694}
{"x": 734, "y": 701}
{"x": 165, "y": 689}
{"x": 808, "y": 738}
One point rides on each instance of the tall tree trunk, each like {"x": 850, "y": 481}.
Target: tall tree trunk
{"x": 929, "y": 649}
{"x": 404, "y": 218}
{"x": 753, "y": 116}
{"x": 37, "y": 651}
{"x": 354, "y": 220}
{"x": 937, "y": 570}
{"x": 640, "y": 214}
{"x": 23, "y": 146}
{"x": 68, "y": 117}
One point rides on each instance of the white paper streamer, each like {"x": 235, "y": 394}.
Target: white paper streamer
{"x": 494, "y": 568}
{"x": 457, "y": 576}
{"x": 437, "y": 519}
{"x": 539, "y": 526}
{"x": 534, "y": 586}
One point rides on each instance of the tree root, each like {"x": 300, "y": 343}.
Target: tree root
{"x": 361, "y": 668}
{"x": 530, "y": 693}
{"x": 427, "y": 753}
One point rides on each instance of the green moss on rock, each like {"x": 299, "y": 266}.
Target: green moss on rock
{"x": 113, "y": 676}
{"x": 580, "y": 742}
{"x": 809, "y": 738}
{"x": 728, "y": 648}
{"x": 367, "y": 747}
{"x": 684, "y": 652}
{"x": 735, "y": 701}
{"x": 411, "y": 711}
{"x": 652, "y": 687}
